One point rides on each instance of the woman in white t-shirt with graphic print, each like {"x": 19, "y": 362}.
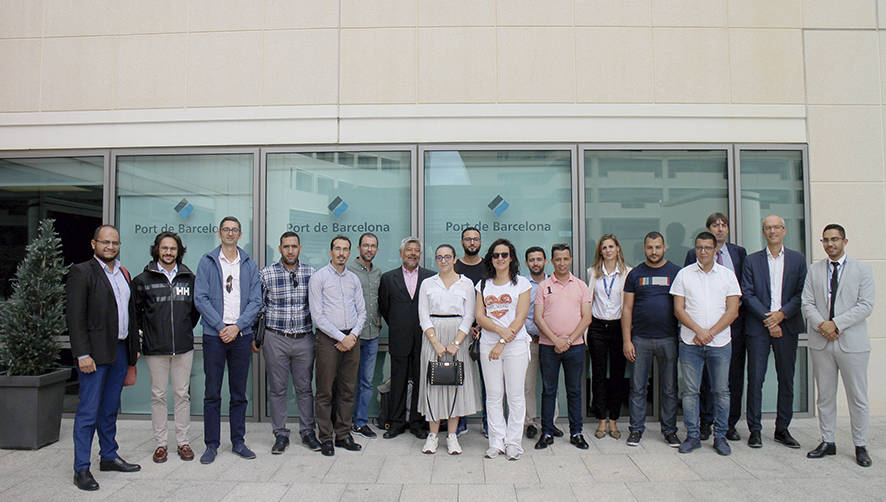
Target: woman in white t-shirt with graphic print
{"x": 502, "y": 306}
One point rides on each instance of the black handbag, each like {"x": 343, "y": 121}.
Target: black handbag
{"x": 474, "y": 349}
{"x": 258, "y": 328}
{"x": 446, "y": 372}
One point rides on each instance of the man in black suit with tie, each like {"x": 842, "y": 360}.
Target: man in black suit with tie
{"x": 398, "y": 304}
{"x": 732, "y": 257}
{"x": 772, "y": 284}
{"x": 104, "y": 339}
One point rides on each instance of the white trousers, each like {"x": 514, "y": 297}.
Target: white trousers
{"x": 507, "y": 374}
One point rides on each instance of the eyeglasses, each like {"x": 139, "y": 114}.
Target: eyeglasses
{"x": 471, "y": 239}
{"x": 443, "y": 259}
{"x": 832, "y": 240}
{"x": 110, "y": 244}
{"x": 232, "y": 231}
{"x": 229, "y": 283}
{"x": 706, "y": 249}
{"x": 294, "y": 279}
{"x": 501, "y": 255}
{"x": 770, "y": 228}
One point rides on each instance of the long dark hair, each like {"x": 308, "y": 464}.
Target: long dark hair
{"x": 513, "y": 266}
{"x": 155, "y": 248}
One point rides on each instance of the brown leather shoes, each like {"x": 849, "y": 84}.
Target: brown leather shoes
{"x": 160, "y": 455}
{"x": 185, "y": 452}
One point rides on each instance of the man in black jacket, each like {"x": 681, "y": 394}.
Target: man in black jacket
{"x": 166, "y": 316}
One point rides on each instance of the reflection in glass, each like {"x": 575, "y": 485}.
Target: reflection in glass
{"x": 772, "y": 182}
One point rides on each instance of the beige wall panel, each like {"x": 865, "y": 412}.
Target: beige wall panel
{"x": 19, "y": 75}
{"x": 536, "y": 64}
{"x": 613, "y": 64}
{"x": 766, "y": 66}
{"x": 378, "y": 13}
{"x": 223, "y": 69}
{"x": 612, "y": 13}
{"x": 765, "y": 13}
{"x": 456, "y": 65}
{"x": 691, "y": 65}
{"x": 845, "y": 143}
{"x": 842, "y": 67}
{"x": 534, "y": 12}
{"x": 21, "y": 18}
{"x": 878, "y": 319}
{"x": 114, "y": 17}
{"x": 876, "y": 375}
{"x": 78, "y": 73}
{"x": 151, "y": 71}
{"x": 857, "y": 206}
{"x": 881, "y": 13}
{"x": 378, "y": 66}
{"x": 300, "y": 67}
{"x": 840, "y": 13}
{"x": 700, "y": 13}
{"x": 291, "y": 14}
{"x": 456, "y": 13}
{"x": 219, "y": 15}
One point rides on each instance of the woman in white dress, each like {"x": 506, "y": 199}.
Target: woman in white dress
{"x": 446, "y": 312}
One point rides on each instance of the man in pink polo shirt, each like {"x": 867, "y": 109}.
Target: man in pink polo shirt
{"x": 562, "y": 314}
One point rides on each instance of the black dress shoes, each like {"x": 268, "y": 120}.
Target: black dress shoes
{"x": 784, "y": 437}
{"x": 823, "y": 449}
{"x": 348, "y": 443}
{"x": 862, "y": 457}
{"x": 732, "y": 434}
{"x": 578, "y": 440}
{"x": 531, "y": 432}
{"x": 280, "y": 444}
{"x": 419, "y": 432}
{"x": 118, "y": 464}
{"x": 327, "y": 449}
{"x": 755, "y": 441}
{"x": 544, "y": 441}
{"x": 393, "y": 432}
{"x": 310, "y": 440}
{"x": 558, "y": 433}
{"x": 85, "y": 481}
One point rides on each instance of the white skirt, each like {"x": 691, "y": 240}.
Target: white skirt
{"x": 436, "y": 401}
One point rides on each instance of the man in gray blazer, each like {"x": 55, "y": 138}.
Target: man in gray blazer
{"x": 838, "y": 296}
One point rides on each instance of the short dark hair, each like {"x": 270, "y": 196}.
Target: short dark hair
{"x": 367, "y": 234}
{"x": 653, "y": 235}
{"x": 155, "y": 248}
{"x": 339, "y": 238}
{"x": 706, "y": 236}
{"x": 535, "y": 249}
{"x": 475, "y": 229}
{"x": 560, "y": 246}
{"x": 714, "y": 218}
{"x": 290, "y": 233}
{"x": 99, "y": 229}
{"x": 230, "y": 218}
{"x": 835, "y": 226}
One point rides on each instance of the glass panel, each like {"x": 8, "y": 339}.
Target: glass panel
{"x": 187, "y": 194}
{"x": 772, "y": 183}
{"x": 522, "y": 195}
{"x": 630, "y": 193}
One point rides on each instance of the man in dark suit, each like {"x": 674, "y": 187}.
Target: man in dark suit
{"x": 104, "y": 339}
{"x": 398, "y": 304}
{"x": 772, "y": 282}
{"x": 732, "y": 257}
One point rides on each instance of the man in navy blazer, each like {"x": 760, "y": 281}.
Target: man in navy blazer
{"x": 772, "y": 284}
{"x": 104, "y": 339}
{"x": 732, "y": 257}
{"x": 398, "y": 304}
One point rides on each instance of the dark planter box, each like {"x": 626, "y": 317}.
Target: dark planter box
{"x": 31, "y": 407}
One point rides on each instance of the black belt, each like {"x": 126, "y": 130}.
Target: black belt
{"x": 446, "y": 315}
{"x": 295, "y": 336}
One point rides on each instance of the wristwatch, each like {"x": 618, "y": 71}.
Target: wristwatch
{"x": 457, "y": 342}
{"x": 502, "y": 341}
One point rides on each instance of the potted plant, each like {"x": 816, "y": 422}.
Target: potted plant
{"x": 32, "y": 385}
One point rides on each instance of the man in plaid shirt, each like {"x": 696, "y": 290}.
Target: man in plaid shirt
{"x": 289, "y": 345}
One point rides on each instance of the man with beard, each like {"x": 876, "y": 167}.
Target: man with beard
{"x": 370, "y": 277}
{"x": 104, "y": 339}
{"x": 289, "y": 345}
{"x": 471, "y": 266}
{"x": 164, "y": 305}
{"x": 649, "y": 331}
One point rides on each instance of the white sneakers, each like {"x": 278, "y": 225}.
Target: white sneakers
{"x": 512, "y": 453}
{"x": 452, "y": 444}
{"x": 430, "y": 444}
{"x": 493, "y": 452}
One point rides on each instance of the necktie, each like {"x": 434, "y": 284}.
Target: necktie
{"x": 834, "y": 276}
{"x": 720, "y": 257}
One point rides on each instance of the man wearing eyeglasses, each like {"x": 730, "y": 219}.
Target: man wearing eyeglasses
{"x": 289, "y": 345}
{"x": 104, "y": 339}
{"x": 706, "y": 296}
{"x": 772, "y": 284}
{"x": 228, "y": 297}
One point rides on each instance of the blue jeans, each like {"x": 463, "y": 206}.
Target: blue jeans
{"x": 664, "y": 351}
{"x": 549, "y": 361}
{"x": 694, "y": 360}
{"x": 97, "y": 411}
{"x": 237, "y": 355}
{"x": 365, "y": 374}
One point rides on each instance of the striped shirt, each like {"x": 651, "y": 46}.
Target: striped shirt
{"x": 286, "y": 306}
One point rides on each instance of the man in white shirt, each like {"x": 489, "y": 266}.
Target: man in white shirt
{"x": 706, "y": 298}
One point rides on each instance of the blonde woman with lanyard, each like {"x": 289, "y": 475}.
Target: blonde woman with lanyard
{"x": 606, "y": 280}
{"x": 502, "y": 307}
{"x": 446, "y": 313}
